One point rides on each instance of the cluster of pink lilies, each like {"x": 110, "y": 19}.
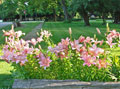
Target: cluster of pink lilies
{"x": 16, "y": 49}
{"x": 89, "y": 49}
{"x": 85, "y": 47}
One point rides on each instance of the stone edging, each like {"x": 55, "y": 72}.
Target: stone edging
{"x": 63, "y": 84}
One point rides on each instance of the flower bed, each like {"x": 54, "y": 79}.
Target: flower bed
{"x": 84, "y": 59}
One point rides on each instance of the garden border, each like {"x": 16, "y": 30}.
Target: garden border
{"x": 62, "y": 84}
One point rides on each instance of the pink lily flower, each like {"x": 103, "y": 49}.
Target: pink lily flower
{"x": 81, "y": 39}
{"x": 6, "y": 33}
{"x": 39, "y": 39}
{"x": 95, "y": 51}
{"x": 76, "y": 45}
{"x": 19, "y": 34}
{"x": 46, "y": 34}
{"x": 88, "y": 60}
{"x": 45, "y": 62}
{"x": 27, "y": 50}
{"x": 109, "y": 42}
{"x": 66, "y": 41}
{"x": 33, "y": 41}
{"x": 20, "y": 58}
{"x": 87, "y": 40}
{"x": 102, "y": 63}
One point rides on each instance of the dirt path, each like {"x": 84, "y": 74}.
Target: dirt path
{"x": 33, "y": 34}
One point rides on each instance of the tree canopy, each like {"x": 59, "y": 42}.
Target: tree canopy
{"x": 59, "y": 9}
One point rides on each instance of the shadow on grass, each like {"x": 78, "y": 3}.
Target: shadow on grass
{"x": 6, "y": 81}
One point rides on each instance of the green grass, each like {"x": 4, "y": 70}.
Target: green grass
{"x": 6, "y": 79}
{"x": 59, "y": 30}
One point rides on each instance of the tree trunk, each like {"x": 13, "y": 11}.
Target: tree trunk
{"x": 116, "y": 17}
{"x": 55, "y": 17}
{"x": 103, "y": 17}
{"x": 85, "y": 16}
{"x": 34, "y": 17}
{"x": 65, "y": 10}
{"x": 86, "y": 19}
{"x": 20, "y": 17}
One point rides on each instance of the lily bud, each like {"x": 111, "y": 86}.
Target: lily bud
{"x": 70, "y": 31}
{"x": 38, "y": 34}
{"x": 12, "y": 27}
{"x": 98, "y": 30}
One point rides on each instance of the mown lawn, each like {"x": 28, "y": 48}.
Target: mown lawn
{"x": 6, "y": 79}
{"x": 59, "y": 30}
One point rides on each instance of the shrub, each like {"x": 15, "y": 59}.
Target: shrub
{"x": 85, "y": 59}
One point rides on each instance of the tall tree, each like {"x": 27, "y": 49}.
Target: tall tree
{"x": 13, "y": 7}
{"x": 103, "y": 8}
{"x": 64, "y": 7}
{"x": 8, "y": 9}
{"x": 67, "y": 7}
{"x": 115, "y": 10}
{"x": 83, "y": 7}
